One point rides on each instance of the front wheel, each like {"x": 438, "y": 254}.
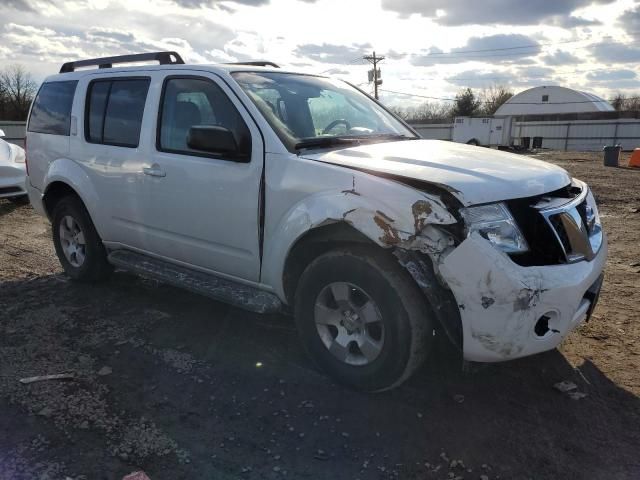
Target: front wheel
{"x": 362, "y": 318}
{"x": 77, "y": 243}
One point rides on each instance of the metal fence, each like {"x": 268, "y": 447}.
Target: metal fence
{"x": 434, "y": 131}
{"x": 581, "y": 135}
{"x": 575, "y": 135}
{"x": 14, "y": 131}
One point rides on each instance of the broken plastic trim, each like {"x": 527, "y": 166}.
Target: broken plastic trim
{"x": 441, "y": 301}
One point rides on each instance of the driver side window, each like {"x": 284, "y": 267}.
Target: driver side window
{"x": 191, "y": 101}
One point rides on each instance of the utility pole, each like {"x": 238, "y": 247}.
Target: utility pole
{"x": 374, "y": 75}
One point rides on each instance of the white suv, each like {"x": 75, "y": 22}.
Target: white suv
{"x": 275, "y": 190}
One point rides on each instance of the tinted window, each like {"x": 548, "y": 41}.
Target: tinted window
{"x": 114, "y": 111}
{"x": 193, "y": 101}
{"x": 51, "y": 112}
{"x": 97, "y": 103}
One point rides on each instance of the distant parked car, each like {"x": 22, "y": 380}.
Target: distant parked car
{"x": 12, "y": 171}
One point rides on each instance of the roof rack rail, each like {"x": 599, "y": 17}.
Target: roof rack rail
{"x": 255, "y": 64}
{"x": 164, "y": 58}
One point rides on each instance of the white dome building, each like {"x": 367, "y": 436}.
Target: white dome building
{"x": 552, "y": 100}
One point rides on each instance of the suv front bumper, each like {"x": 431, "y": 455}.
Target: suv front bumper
{"x": 509, "y": 311}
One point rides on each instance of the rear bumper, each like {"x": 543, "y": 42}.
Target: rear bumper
{"x": 12, "y": 180}
{"x": 508, "y": 311}
{"x": 35, "y": 197}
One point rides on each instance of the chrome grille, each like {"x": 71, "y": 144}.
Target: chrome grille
{"x": 568, "y": 221}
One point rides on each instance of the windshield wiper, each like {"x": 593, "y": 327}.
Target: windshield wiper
{"x": 319, "y": 142}
{"x": 388, "y": 136}
{"x": 326, "y": 142}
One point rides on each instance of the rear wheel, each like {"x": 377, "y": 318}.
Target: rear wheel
{"x": 362, "y": 318}
{"x": 78, "y": 245}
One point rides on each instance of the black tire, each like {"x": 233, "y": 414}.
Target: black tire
{"x": 473, "y": 142}
{"x": 408, "y": 326}
{"x": 95, "y": 266}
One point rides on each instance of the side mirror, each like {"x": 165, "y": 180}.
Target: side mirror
{"x": 216, "y": 140}
{"x": 2, "y": 133}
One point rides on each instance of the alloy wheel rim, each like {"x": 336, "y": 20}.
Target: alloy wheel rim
{"x": 349, "y": 323}
{"x": 72, "y": 240}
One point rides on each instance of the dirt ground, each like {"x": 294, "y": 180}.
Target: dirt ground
{"x": 186, "y": 388}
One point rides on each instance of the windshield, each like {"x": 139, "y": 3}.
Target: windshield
{"x": 309, "y": 111}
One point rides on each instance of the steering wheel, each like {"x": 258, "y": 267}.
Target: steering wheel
{"x": 335, "y": 123}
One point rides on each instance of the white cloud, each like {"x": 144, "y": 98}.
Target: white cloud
{"x": 426, "y": 52}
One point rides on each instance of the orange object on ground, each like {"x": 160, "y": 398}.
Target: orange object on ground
{"x": 634, "y": 161}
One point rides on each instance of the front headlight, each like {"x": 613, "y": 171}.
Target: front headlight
{"x": 19, "y": 156}
{"x": 594, "y": 227}
{"x": 495, "y": 223}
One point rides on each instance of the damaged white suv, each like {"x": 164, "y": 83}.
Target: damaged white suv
{"x": 275, "y": 190}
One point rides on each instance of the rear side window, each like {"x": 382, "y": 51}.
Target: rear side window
{"x": 51, "y": 112}
{"x": 114, "y": 111}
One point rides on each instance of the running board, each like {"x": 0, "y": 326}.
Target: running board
{"x": 217, "y": 288}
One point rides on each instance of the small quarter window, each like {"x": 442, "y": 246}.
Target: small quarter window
{"x": 51, "y": 112}
{"x": 114, "y": 111}
{"x": 545, "y": 98}
{"x": 98, "y": 92}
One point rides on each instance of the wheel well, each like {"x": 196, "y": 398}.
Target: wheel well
{"x": 311, "y": 245}
{"x": 54, "y": 193}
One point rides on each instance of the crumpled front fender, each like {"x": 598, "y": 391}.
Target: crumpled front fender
{"x": 403, "y": 218}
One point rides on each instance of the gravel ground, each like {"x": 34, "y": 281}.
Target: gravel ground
{"x": 186, "y": 388}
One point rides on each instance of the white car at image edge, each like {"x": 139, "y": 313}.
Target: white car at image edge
{"x": 12, "y": 171}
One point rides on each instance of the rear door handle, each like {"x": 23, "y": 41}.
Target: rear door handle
{"x": 154, "y": 171}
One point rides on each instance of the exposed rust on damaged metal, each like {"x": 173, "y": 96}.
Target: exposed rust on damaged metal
{"x": 385, "y": 216}
{"x": 389, "y": 234}
{"x": 420, "y": 209}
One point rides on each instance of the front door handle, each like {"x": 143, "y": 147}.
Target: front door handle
{"x": 154, "y": 171}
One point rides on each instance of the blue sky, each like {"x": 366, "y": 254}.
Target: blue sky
{"x": 432, "y": 47}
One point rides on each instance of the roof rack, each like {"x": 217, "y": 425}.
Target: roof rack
{"x": 256, "y": 64}
{"x": 164, "y": 58}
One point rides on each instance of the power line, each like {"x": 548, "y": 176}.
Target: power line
{"x": 537, "y": 45}
{"x": 566, "y": 73}
{"x": 350, "y": 62}
{"x": 510, "y": 103}
{"x": 460, "y": 53}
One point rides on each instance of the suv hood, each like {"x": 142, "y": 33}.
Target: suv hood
{"x": 472, "y": 174}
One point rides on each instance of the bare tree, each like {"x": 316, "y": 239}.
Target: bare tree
{"x": 618, "y": 102}
{"x": 17, "y": 89}
{"x": 622, "y": 103}
{"x": 493, "y": 97}
{"x": 428, "y": 112}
